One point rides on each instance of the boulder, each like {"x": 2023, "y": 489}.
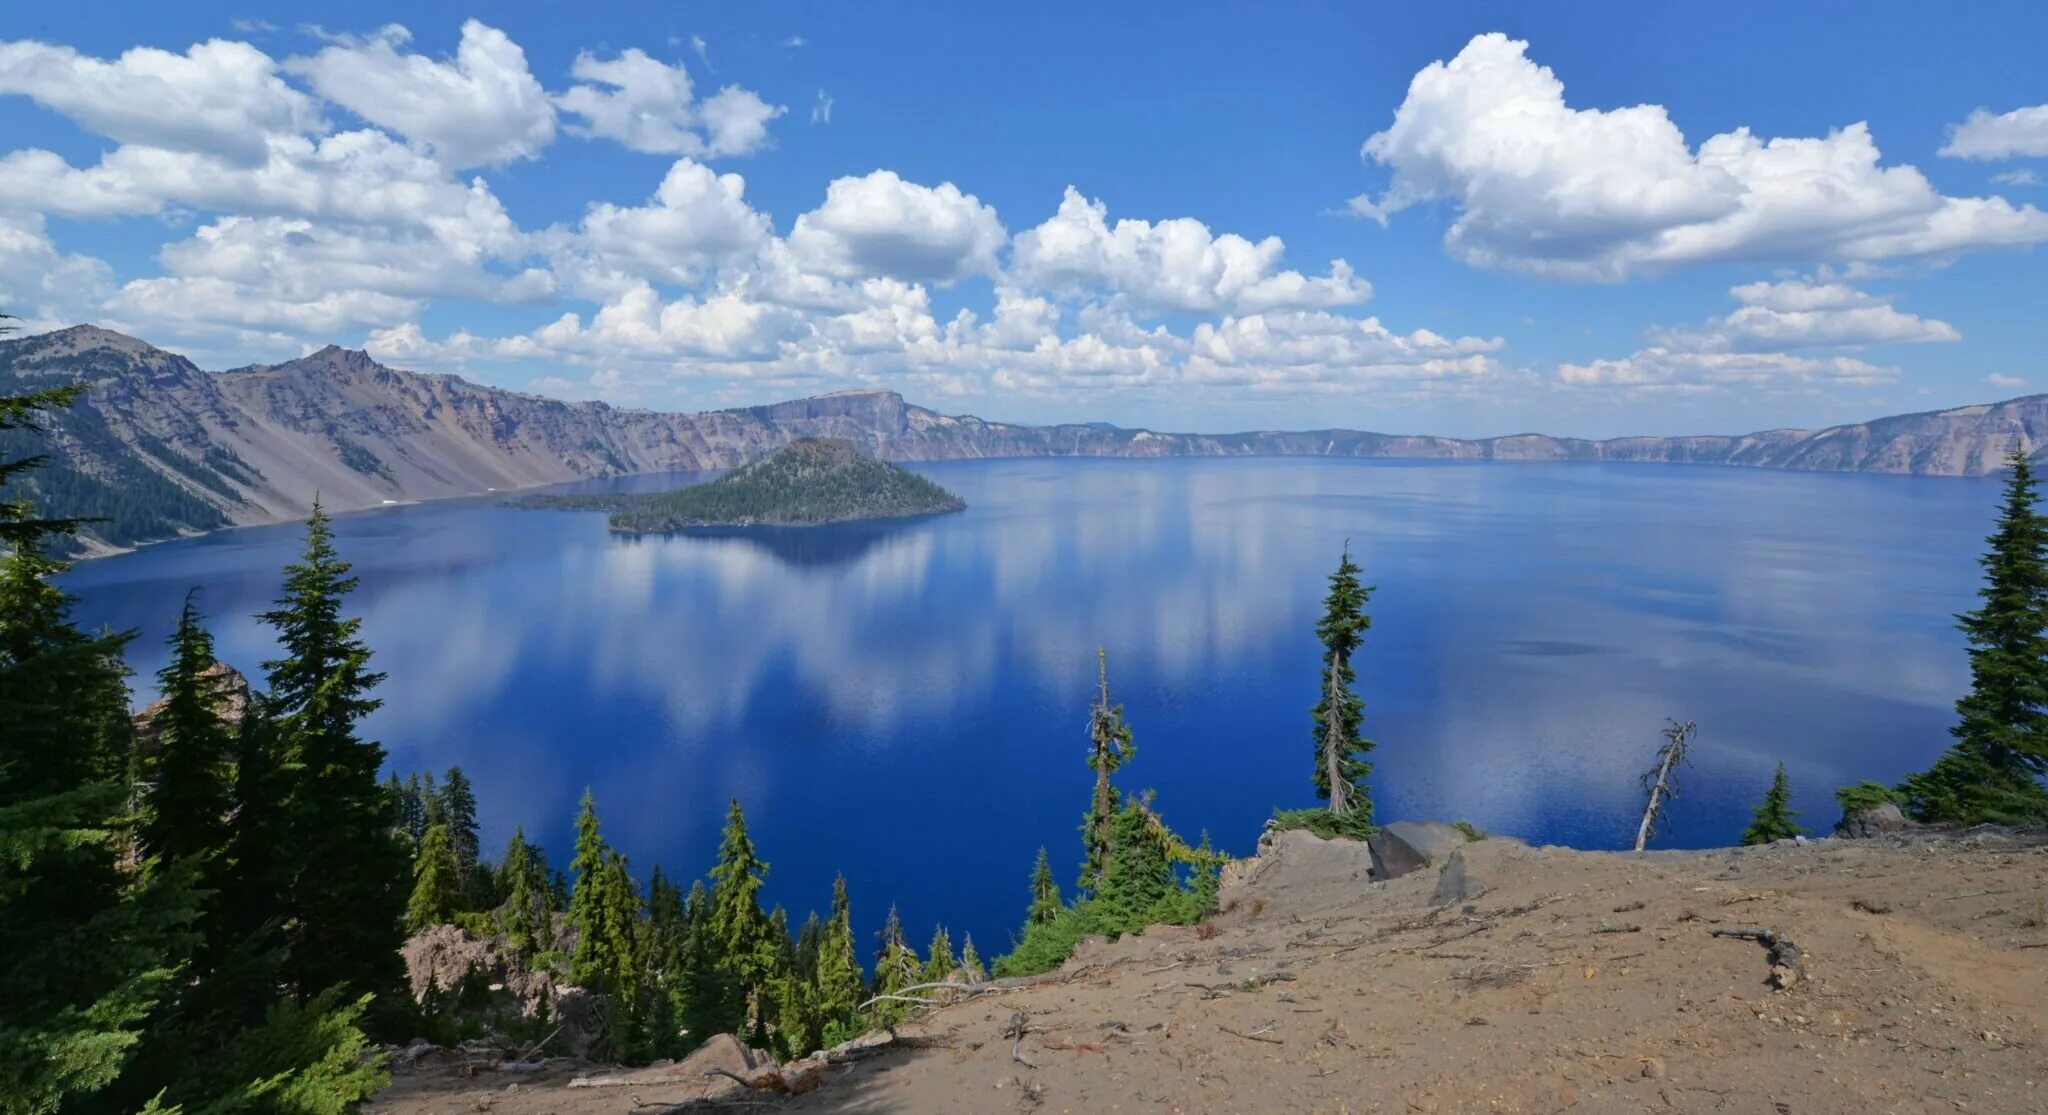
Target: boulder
{"x": 1879, "y": 820}
{"x": 1405, "y": 846}
{"x": 1457, "y": 883}
{"x": 723, "y": 1054}
{"x": 478, "y": 978}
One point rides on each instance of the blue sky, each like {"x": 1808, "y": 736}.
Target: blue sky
{"x": 1590, "y": 218}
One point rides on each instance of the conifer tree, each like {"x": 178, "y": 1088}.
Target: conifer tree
{"x": 436, "y": 884}
{"x": 739, "y": 930}
{"x": 458, "y": 812}
{"x": 603, "y": 912}
{"x": 86, "y": 950}
{"x": 526, "y": 917}
{"x": 188, "y": 807}
{"x": 1774, "y": 818}
{"x": 349, "y": 896}
{"x": 1992, "y": 772}
{"x": 970, "y": 961}
{"x": 1138, "y": 885}
{"x": 939, "y": 961}
{"x": 839, "y": 972}
{"x": 711, "y": 1003}
{"x": 1045, "y": 893}
{"x": 1109, "y": 748}
{"x": 809, "y": 940}
{"x": 1340, "y": 749}
{"x": 896, "y": 967}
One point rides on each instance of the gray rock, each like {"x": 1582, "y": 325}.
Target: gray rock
{"x": 1404, "y": 846}
{"x": 1878, "y": 820}
{"x": 1456, "y": 884}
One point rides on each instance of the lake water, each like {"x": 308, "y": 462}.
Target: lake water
{"x": 908, "y": 703}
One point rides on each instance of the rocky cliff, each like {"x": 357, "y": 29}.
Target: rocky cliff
{"x": 158, "y": 447}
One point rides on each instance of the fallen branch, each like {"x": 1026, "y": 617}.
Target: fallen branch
{"x": 1267, "y": 1038}
{"x": 1786, "y": 968}
{"x": 1019, "y": 1022}
{"x": 971, "y": 990}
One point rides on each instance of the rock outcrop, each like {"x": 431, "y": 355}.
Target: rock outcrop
{"x": 1881, "y": 819}
{"x": 230, "y": 692}
{"x": 448, "y": 960}
{"x": 1406, "y": 846}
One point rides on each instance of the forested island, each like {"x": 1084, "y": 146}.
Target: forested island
{"x": 810, "y": 481}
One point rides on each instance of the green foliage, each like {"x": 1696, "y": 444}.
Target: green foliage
{"x": 811, "y": 480}
{"x": 87, "y": 949}
{"x": 896, "y": 967}
{"x": 305, "y": 1059}
{"x": 604, "y": 909}
{"x": 525, "y": 919}
{"x": 939, "y": 960}
{"x": 1355, "y": 825}
{"x": 1774, "y": 818}
{"x": 349, "y": 893}
{"x": 1045, "y": 892}
{"x": 740, "y": 932}
{"x": 1110, "y": 746}
{"x": 1864, "y": 795}
{"x": 1993, "y": 771}
{"x": 436, "y": 886}
{"x": 838, "y": 980}
{"x": 458, "y": 812}
{"x": 1339, "y": 713}
{"x": 970, "y": 961}
{"x": 1046, "y": 945}
{"x": 1473, "y": 833}
{"x": 189, "y": 806}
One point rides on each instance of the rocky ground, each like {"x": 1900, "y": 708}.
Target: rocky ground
{"x": 1560, "y": 980}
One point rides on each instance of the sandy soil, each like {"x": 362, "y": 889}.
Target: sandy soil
{"x": 1579, "y": 981}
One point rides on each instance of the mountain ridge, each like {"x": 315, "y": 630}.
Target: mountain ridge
{"x": 160, "y": 447}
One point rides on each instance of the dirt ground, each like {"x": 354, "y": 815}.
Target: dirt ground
{"x": 1579, "y": 981}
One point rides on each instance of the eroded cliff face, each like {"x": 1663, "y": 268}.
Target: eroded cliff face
{"x": 202, "y": 449}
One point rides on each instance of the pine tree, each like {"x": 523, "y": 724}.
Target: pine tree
{"x": 1138, "y": 884}
{"x": 189, "y": 806}
{"x": 86, "y": 949}
{"x": 711, "y": 1002}
{"x": 526, "y": 917}
{"x": 1774, "y": 818}
{"x": 603, "y": 913}
{"x": 896, "y": 967}
{"x": 839, "y": 973}
{"x": 458, "y": 812}
{"x": 1109, "y": 748}
{"x": 436, "y": 885}
{"x": 939, "y": 961}
{"x": 739, "y": 929}
{"x": 1045, "y": 893}
{"x": 349, "y": 896}
{"x": 970, "y": 961}
{"x": 1340, "y": 749}
{"x": 1992, "y": 773}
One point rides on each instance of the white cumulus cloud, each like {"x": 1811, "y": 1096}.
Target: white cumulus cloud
{"x": 1541, "y": 187}
{"x": 880, "y": 224}
{"x": 650, "y": 106}
{"x": 2006, "y": 135}
{"x": 481, "y": 107}
{"x": 1798, "y": 314}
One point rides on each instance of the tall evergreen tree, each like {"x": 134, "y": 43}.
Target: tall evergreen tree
{"x": 526, "y": 918}
{"x": 437, "y": 885}
{"x": 1138, "y": 886}
{"x": 1993, "y": 771}
{"x": 1045, "y": 893}
{"x": 740, "y": 931}
{"x": 603, "y": 912}
{"x": 189, "y": 805}
{"x": 458, "y": 812}
{"x": 85, "y": 948}
{"x": 350, "y": 893}
{"x": 839, "y": 972}
{"x": 1774, "y": 818}
{"x": 1109, "y": 748}
{"x": 1340, "y": 748}
{"x": 896, "y": 967}
{"x": 711, "y": 1001}
{"x": 970, "y": 961}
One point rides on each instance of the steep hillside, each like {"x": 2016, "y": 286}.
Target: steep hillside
{"x": 158, "y": 447}
{"x": 1551, "y": 980}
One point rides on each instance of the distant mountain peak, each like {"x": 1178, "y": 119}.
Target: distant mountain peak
{"x": 89, "y": 337}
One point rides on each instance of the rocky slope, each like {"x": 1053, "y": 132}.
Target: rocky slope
{"x": 158, "y": 446}
{"x": 1556, "y": 980}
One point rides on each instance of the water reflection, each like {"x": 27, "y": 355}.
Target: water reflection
{"x": 905, "y": 701}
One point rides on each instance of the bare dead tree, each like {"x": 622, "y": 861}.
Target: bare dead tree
{"x": 1335, "y": 745}
{"x": 1661, "y": 781}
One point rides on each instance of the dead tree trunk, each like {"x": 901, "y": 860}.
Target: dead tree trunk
{"x": 1662, "y": 780}
{"x": 1333, "y": 741}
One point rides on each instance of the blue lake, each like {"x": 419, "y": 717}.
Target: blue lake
{"x": 907, "y": 704}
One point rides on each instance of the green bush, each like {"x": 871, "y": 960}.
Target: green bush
{"x": 1330, "y": 826}
{"x": 1472, "y": 832}
{"x": 1864, "y": 795}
